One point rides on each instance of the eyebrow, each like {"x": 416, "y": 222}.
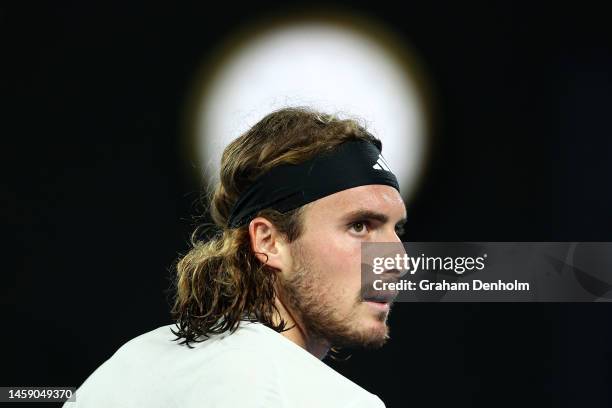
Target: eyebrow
{"x": 371, "y": 215}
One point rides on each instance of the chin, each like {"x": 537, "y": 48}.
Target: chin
{"x": 374, "y": 332}
{"x": 366, "y": 328}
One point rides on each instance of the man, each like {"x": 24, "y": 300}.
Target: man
{"x": 258, "y": 306}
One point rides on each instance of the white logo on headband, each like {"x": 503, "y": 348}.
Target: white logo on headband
{"x": 381, "y": 164}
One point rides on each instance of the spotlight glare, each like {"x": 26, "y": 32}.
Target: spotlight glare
{"x": 328, "y": 67}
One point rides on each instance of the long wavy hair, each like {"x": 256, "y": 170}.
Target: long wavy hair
{"x": 219, "y": 281}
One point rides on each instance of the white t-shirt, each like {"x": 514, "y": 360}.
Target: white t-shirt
{"x": 253, "y": 367}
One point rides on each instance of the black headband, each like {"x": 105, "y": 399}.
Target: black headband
{"x": 289, "y": 186}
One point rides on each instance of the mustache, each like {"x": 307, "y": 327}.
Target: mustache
{"x": 368, "y": 292}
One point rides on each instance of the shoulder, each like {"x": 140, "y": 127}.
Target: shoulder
{"x": 248, "y": 377}
{"x": 300, "y": 378}
{"x": 252, "y": 367}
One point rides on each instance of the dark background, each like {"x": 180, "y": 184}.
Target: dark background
{"x": 98, "y": 201}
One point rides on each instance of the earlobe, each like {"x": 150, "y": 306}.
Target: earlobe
{"x": 263, "y": 258}
{"x": 265, "y": 242}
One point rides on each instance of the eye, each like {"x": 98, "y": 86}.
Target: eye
{"x": 399, "y": 230}
{"x": 359, "y": 227}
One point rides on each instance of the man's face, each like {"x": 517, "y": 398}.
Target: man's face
{"x": 323, "y": 284}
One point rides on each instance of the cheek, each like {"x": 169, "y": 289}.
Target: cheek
{"x": 339, "y": 258}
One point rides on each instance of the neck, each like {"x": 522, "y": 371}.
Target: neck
{"x": 297, "y": 333}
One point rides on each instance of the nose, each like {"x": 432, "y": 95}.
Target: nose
{"x": 390, "y": 237}
{"x": 394, "y": 237}
{"x": 389, "y": 245}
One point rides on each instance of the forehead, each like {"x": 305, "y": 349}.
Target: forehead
{"x": 376, "y": 197}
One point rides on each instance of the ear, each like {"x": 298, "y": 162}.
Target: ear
{"x": 268, "y": 244}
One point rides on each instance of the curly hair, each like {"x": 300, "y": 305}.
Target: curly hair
{"x": 220, "y": 282}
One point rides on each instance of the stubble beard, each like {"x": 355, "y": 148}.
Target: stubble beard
{"x": 306, "y": 295}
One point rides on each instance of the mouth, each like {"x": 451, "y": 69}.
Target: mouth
{"x": 381, "y": 306}
{"x": 380, "y": 301}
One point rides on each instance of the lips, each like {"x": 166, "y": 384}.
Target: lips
{"x": 370, "y": 294}
{"x": 380, "y": 296}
